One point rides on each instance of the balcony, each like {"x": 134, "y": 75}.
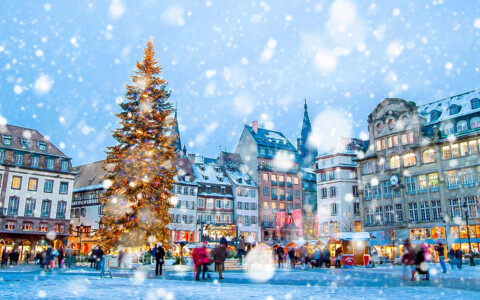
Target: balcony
{"x": 281, "y": 183}
{"x": 282, "y": 197}
{"x": 289, "y": 198}
{"x": 274, "y": 182}
{"x": 274, "y": 197}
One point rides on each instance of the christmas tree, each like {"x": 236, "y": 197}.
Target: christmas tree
{"x": 140, "y": 168}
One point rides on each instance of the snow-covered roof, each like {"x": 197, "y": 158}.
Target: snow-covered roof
{"x": 210, "y": 173}
{"x": 443, "y": 107}
{"x": 240, "y": 178}
{"x": 354, "y": 236}
{"x": 270, "y": 138}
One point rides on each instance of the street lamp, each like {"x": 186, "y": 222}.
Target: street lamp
{"x": 465, "y": 210}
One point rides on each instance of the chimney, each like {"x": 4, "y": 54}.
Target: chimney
{"x": 255, "y": 126}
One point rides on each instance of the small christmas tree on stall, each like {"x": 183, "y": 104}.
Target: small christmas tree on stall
{"x": 140, "y": 169}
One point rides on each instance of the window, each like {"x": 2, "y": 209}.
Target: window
{"x": 324, "y": 192}
{"x": 367, "y": 192}
{"x": 266, "y": 191}
{"x": 410, "y": 138}
{"x": 240, "y": 205}
{"x": 433, "y": 182}
{"x": 389, "y": 214}
{"x": 410, "y": 185}
{"x": 42, "y": 146}
{"x": 7, "y": 140}
{"x": 436, "y": 210}
{"x": 447, "y": 154}
{"x": 179, "y": 189}
{"x": 295, "y": 180}
{"x": 428, "y": 156}
{"x": 473, "y": 147}
{"x": 377, "y": 191}
{"x": 409, "y": 160}
{"x": 18, "y": 159}
{"x": 422, "y": 184}
{"x": 209, "y": 203}
{"x": 455, "y": 151}
{"x": 192, "y": 191}
{"x": 13, "y": 205}
{"x": 46, "y": 205}
{"x": 387, "y": 189}
{"x": 478, "y": 173}
{"x": 399, "y": 212}
{"x": 48, "y": 186}
{"x": 455, "y": 208}
{"x": 253, "y": 220}
{"x": 378, "y": 216}
{"x": 61, "y": 207}
{"x": 333, "y": 209}
{"x": 16, "y": 183}
{"x": 368, "y": 168}
{"x": 413, "y": 212}
{"x": 50, "y": 163}
{"x": 475, "y": 123}
{"x": 452, "y": 179}
{"x": 281, "y": 206}
{"x": 29, "y": 207}
{"x": 83, "y": 212}
{"x": 378, "y": 144}
{"x": 101, "y": 210}
{"x": 434, "y": 115}
{"x": 335, "y": 226}
{"x": 467, "y": 177}
{"x": 297, "y": 193}
{"x": 265, "y": 204}
{"x": 185, "y": 190}
{"x": 10, "y": 225}
{"x": 332, "y": 175}
{"x": 454, "y": 109}
{"x": 333, "y": 192}
{"x": 218, "y": 204}
{"x": 325, "y": 227}
{"x": 27, "y": 226}
{"x": 43, "y": 227}
{"x": 247, "y": 205}
{"x": 63, "y": 187}
{"x": 324, "y": 210}
{"x": 368, "y": 216}
{"x": 473, "y": 209}
{"x": 32, "y": 184}
{"x": 424, "y": 212}
{"x": 448, "y": 129}
{"x": 356, "y": 208}
{"x": 395, "y": 141}
{"x": 404, "y": 139}
{"x": 252, "y": 193}
{"x": 274, "y": 192}
{"x": 2, "y": 156}
{"x": 355, "y": 191}
{"x": 297, "y": 206}
{"x": 265, "y": 177}
{"x": 462, "y": 126}
{"x": 395, "y": 162}
{"x": 475, "y": 103}
{"x": 34, "y": 161}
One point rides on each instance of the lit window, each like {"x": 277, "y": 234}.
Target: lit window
{"x": 395, "y": 162}
{"x": 16, "y": 182}
{"x": 428, "y": 156}
{"x": 32, "y": 184}
{"x": 409, "y": 160}
{"x": 448, "y": 129}
{"x": 462, "y": 126}
{"x": 475, "y": 123}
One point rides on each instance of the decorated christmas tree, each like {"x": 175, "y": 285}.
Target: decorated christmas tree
{"x": 140, "y": 168}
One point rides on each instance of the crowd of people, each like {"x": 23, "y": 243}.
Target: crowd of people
{"x": 301, "y": 255}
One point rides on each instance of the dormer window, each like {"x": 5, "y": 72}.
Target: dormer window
{"x": 7, "y": 140}
{"x": 217, "y": 169}
{"x": 205, "y": 177}
{"x": 434, "y": 115}
{"x": 475, "y": 103}
{"x": 202, "y": 168}
{"x": 454, "y": 109}
{"x": 220, "y": 178}
{"x": 25, "y": 143}
{"x": 90, "y": 181}
{"x": 187, "y": 177}
{"x": 64, "y": 166}
{"x": 239, "y": 180}
{"x": 42, "y": 146}
{"x": 50, "y": 163}
{"x": 249, "y": 181}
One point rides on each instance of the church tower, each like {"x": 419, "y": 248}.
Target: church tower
{"x": 176, "y": 132}
{"x": 307, "y": 152}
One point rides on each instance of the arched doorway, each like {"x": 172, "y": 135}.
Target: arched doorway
{"x": 41, "y": 245}
{"x": 24, "y": 247}
{"x": 57, "y": 244}
{"x": 7, "y": 243}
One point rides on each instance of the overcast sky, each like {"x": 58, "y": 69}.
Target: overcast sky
{"x": 64, "y": 63}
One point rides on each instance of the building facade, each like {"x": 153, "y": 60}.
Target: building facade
{"x": 337, "y": 189}
{"x": 271, "y": 161}
{"x": 309, "y": 203}
{"x": 36, "y": 182}
{"x": 421, "y": 170}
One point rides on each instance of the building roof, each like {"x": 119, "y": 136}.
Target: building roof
{"x": 240, "y": 178}
{"x": 209, "y": 173}
{"x": 89, "y": 177}
{"x": 308, "y": 174}
{"x": 443, "y": 105}
{"x": 33, "y": 136}
{"x": 185, "y": 173}
{"x": 270, "y": 138}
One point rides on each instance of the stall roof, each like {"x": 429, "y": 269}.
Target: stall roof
{"x": 354, "y": 236}
{"x": 262, "y": 246}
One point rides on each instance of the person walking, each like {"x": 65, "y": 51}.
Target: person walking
{"x": 303, "y": 257}
{"x": 451, "y": 258}
{"x": 280, "y": 253}
{"x": 338, "y": 257}
{"x": 202, "y": 260}
{"x": 61, "y": 257}
{"x": 408, "y": 260}
{"x": 99, "y": 260}
{"x": 241, "y": 248}
{"x": 441, "y": 255}
{"x": 326, "y": 257}
{"x": 68, "y": 257}
{"x": 120, "y": 258}
{"x": 458, "y": 258}
{"x": 159, "y": 259}
{"x": 93, "y": 257}
{"x": 291, "y": 257}
{"x": 219, "y": 256}
{"x": 427, "y": 259}
{"x": 5, "y": 255}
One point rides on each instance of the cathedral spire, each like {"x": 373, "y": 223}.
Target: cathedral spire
{"x": 307, "y": 151}
{"x": 176, "y": 132}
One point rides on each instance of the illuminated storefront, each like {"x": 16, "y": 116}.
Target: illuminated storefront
{"x": 214, "y": 232}
{"x": 460, "y": 237}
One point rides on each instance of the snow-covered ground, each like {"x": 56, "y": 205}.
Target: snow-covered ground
{"x": 27, "y": 282}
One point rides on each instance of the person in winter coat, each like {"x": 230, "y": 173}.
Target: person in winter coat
{"x": 159, "y": 259}
{"x": 5, "y": 255}
{"x": 121, "y": 254}
{"x": 408, "y": 260}
{"x": 99, "y": 260}
{"x": 458, "y": 258}
{"x": 326, "y": 257}
{"x": 317, "y": 259}
{"x": 303, "y": 257}
{"x": 61, "y": 257}
{"x": 280, "y": 253}
{"x": 48, "y": 258}
{"x": 451, "y": 258}
{"x": 441, "y": 255}
{"x": 338, "y": 257}
{"x": 223, "y": 241}
{"x": 291, "y": 257}
{"x": 219, "y": 255}
{"x": 68, "y": 257}
{"x": 201, "y": 260}
{"x": 93, "y": 259}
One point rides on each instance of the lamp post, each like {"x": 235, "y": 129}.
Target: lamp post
{"x": 465, "y": 210}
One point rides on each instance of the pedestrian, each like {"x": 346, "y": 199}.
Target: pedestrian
{"x": 5, "y": 255}
{"x": 441, "y": 255}
{"x": 99, "y": 259}
{"x": 291, "y": 257}
{"x": 120, "y": 257}
{"x": 408, "y": 260}
{"x": 219, "y": 255}
{"x": 303, "y": 257}
{"x": 48, "y": 258}
{"x": 201, "y": 260}
{"x": 61, "y": 257}
{"x": 241, "y": 248}
{"x": 223, "y": 241}
{"x": 338, "y": 257}
{"x": 458, "y": 258}
{"x": 326, "y": 257}
{"x": 159, "y": 259}
{"x": 451, "y": 258}
{"x": 68, "y": 257}
{"x": 280, "y": 253}
{"x": 38, "y": 257}
{"x": 11, "y": 256}
{"x": 93, "y": 257}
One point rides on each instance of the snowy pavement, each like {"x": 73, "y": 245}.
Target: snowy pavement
{"x": 28, "y": 282}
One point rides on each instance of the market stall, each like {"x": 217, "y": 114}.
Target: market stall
{"x": 355, "y": 250}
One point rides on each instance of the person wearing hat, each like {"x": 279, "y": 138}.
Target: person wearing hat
{"x": 159, "y": 259}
